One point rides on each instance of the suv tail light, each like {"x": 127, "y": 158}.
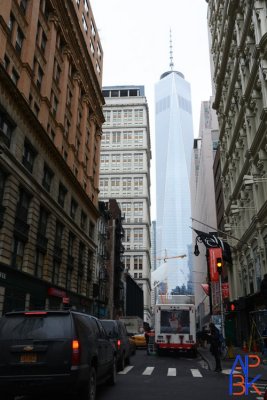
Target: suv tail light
{"x": 75, "y": 357}
{"x": 118, "y": 343}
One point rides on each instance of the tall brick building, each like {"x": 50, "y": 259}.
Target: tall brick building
{"x": 50, "y": 130}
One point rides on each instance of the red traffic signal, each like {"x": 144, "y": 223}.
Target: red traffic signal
{"x": 232, "y": 307}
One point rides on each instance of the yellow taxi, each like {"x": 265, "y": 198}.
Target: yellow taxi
{"x": 139, "y": 340}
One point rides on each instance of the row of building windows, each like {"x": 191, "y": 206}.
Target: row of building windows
{"x": 133, "y": 238}
{"x": 20, "y": 239}
{"x": 133, "y": 262}
{"x": 29, "y": 159}
{"x": 125, "y": 138}
{"x": 132, "y": 211}
{"x": 120, "y": 185}
{"x": 122, "y": 161}
{"x": 124, "y": 117}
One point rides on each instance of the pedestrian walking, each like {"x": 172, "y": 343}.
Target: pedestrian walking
{"x": 214, "y": 339}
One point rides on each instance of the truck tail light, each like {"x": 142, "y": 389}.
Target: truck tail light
{"x": 75, "y": 357}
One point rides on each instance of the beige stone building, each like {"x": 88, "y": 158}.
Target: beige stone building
{"x": 238, "y": 46}
{"x": 50, "y": 130}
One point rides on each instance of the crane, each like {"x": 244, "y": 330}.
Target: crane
{"x": 164, "y": 258}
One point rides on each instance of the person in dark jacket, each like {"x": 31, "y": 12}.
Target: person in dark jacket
{"x": 214, "y": 340}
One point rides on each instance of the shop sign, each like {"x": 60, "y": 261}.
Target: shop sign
{"x": 56, "y": 292}
{"x": 225, "y": 290}
{"x": 214, "y": 253}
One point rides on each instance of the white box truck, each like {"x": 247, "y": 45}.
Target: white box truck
{"x": 175, "y": 324}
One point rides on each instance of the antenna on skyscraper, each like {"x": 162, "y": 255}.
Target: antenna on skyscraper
{"x": 171, "y": 56}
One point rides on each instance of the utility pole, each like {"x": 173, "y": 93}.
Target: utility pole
{"x": 219, "y": 269}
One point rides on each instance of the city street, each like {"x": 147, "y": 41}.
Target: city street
{"x": 157, "y": 378}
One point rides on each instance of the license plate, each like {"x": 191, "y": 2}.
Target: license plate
{"x": 28, "y": 358}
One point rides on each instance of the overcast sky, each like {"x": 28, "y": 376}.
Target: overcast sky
{"x": 135, "y": 39}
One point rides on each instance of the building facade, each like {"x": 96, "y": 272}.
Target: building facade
{"x": 238, "y": 31}
{"x": 50, "y": 130}
{"x": 203, "y": 202}
{"x": 125, "y": 175}
{"x": 174, "y": 138}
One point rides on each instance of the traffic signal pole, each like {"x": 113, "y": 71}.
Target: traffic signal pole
{"x": 221, "y": 303}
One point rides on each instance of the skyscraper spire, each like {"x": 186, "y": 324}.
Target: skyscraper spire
{"x": 171, "y": 56}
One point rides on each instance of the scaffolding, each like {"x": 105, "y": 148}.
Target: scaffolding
{"x": 258, "y": 333}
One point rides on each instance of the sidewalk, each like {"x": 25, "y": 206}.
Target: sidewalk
{"x": 227, "y": 363}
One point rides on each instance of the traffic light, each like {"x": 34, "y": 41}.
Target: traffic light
{"x": 232, "y": 306}
{"x": 219, "y": 265}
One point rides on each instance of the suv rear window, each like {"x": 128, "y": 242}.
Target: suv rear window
{"x": 44, "y": 326}
{"x": 110, "y": 328}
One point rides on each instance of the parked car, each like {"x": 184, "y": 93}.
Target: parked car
{"x": 140, "y": 340}
{"x": 62, "y": 352}
{"x": 116, "y": 330}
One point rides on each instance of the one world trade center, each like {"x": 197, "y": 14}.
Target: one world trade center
{"x": 174, "y": 142}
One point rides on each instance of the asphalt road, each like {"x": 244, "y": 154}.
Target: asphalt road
{"x": 169, "y": 377}
{"x": 149, "y": 377}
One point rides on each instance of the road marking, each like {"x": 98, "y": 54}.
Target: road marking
{"x": 196, "y": 373}
{"x": 148, "y": 371}
{"x": 126, "y": 370}
{"x": 228, "y": 371}
{"x": 171, "y": 372}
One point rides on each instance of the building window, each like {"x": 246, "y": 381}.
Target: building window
{"x": 70, "y": 259}
{"x": 6, "y": 62}
{"x": 62, "y": 191}
{"x": 85, "y": 27}
{"x": 11, "y": 23}
{"x": 57, "y": 71}
{"x": 73, "y": 208}
{"x": 6, "y": 127}
{"x": 138, "y": 262}
{"x": 83, "y": 220}
{"x": 23, "y": 205}
{"x": 18, "y": 253}
{"x": 39, "y": 264}
{"x": 56, "y": 271}
{"x": 43, "y": 42}
{"x": 15, "y": 76}
{"x": 55, "y": 105}
{"x": 92, "y": 47}
{"x": 19, "y": 40}
{"x": 91, "y": 230}
{"x": 39, "y": 78}
{"x": 23, "y": 6}
{"x": 47, "y": 178}
{"x": 2, "y": 185}
{"x": 93, "y": 29}
{"x": 59, "y": 234}
{"x": 29, "y": 155}
{"x": 86, "y": 7}
{"x": 43, "y": 219}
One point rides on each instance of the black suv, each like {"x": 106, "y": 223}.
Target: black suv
{"x": 116, "y": 330}
{"x": 55, "y": 352}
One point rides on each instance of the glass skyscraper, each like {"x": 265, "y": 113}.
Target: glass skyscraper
{"x": 174, "y": 140}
